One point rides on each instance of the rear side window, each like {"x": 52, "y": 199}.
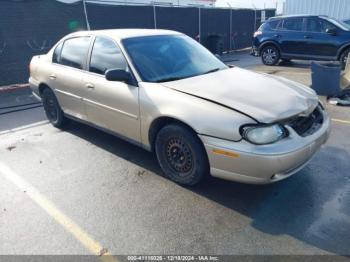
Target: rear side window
{"x": 56, "y": 57}
{"x": 293, "y": 24}
{"x": 74, "y": 52}
{"x": 106, "y": 55}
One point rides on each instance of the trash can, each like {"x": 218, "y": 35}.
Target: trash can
{"x": 215, "y": 44}
{"x": 326, "y": 78}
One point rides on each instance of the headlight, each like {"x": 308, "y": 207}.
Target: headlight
{"x": 263, "y": 134}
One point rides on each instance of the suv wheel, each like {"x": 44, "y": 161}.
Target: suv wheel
{"x": 181, "y": 155}
{"x": 52, "y": 109}
{"x": 344, "y": 58}
{"x": 270, "y": 55}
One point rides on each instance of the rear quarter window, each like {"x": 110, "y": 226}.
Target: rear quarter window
{"x": 270, "y": 25}
{"x": 273, "y": 24}
{"x": 57, "y": 53}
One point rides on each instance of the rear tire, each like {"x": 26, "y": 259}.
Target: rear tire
{"x": 52, "y": 109}
{"x": 181, "y": 155}
{"x": 270, "y": 55}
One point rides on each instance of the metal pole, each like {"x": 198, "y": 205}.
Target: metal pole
{"x": 86, "y": 16}
{"x": 199, "y": 24}
{"x": 254, "y": 17}
{"x": 154, "y": 16}
{"x": 230, "y": 25}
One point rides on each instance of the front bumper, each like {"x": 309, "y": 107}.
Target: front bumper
{"x": 248, "y": 163}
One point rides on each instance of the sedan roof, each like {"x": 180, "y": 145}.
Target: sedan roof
{"x": 125, "y": 33}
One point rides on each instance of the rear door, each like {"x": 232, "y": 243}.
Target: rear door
{"x": 66, "y": 76}
{"x": 111, "y": 104}
{"x": 290, "y": 35}
{"x": 320, "y": 43}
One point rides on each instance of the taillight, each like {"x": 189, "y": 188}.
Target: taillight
{"x": 257, "y": 33}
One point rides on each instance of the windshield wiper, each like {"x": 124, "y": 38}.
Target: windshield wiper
{"x": 169, "y": 79}
{"x": 212, "y": 71}
{"x": 173, "y": 78}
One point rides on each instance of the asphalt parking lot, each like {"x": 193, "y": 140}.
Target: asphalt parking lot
{"x": 81, "y": 191}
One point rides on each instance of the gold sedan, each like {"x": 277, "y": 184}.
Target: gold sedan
{"x": 166, "y": 93}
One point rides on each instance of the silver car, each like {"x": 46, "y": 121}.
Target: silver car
{"x": 163, "y": 91}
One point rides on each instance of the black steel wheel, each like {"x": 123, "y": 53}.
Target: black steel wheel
{"x": 52, "y": 108}
{"x": 270, "y": 55}
{"x": 181, "y": 154}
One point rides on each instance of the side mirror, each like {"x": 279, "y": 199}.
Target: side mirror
{"x": 117, "y": 75}
{"x": 331, "y": 31}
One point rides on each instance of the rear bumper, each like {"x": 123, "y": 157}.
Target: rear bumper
{"x": 34, "y": 85}
{"x": 254, "y": 51}
{"x": 247, "y": 163}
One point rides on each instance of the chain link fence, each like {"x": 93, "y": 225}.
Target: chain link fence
{"x": 31, "y": 27}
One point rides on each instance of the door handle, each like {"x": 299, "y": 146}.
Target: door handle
{"x": 90, "y": 86}
{"x": 307, "y": 36}
{"x": 278, "y": 36}
{"x": 52, "y": 76}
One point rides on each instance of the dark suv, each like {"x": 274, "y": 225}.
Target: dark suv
{"x": 302, "y": 37}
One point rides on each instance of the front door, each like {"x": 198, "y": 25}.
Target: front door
{"x": 321, "y": 43}
{"x": 111, "y": 104}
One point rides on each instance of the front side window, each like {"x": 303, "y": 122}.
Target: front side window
{"x": 319, "y": 25}
{"x": 56, "y": 57}
{"x": 293, "y": 24}
{"x": 170, "y": 57}
{"x": 74, "y": 52}
{"x": 106, "y": 55}
{"x": 340, "y": 24}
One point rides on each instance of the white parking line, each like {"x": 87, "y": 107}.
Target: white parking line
{"x": 24, "y": 127}
{"x": 341, "y": 121}
{"x": 68, "y": 224}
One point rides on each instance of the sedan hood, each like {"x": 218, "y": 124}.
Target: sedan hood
{"x": 263, "y": 97}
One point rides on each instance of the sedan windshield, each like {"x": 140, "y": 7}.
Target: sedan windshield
{"x": 165, "y": 58}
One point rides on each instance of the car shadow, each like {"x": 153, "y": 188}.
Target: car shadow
{"x": 312, "y": 206}
{"x": 295, "y": 64}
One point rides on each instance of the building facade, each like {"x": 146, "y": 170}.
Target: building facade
{"x": 339, "y": 9}
{"x": 198, "y": 3}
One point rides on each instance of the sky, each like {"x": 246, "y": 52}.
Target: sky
{"x": 251, "y": 3}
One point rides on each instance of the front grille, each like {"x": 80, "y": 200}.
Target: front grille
{"x": 307, "y": 125}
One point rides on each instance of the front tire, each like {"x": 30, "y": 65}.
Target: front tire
{"x": 270, "y": 55}
{"x": 344, "y": 58}
{"x": 52, "y": 109}
{"x": 181, "y": 155}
